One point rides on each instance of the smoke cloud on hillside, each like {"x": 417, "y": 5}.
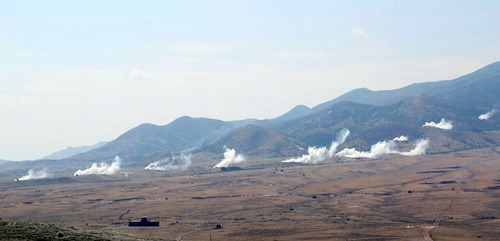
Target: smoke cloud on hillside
{"x": 317, "y": 154}
{"x": 32, "y": 174}
{"x": 382, "y": 148}
{"x": 181, "y": 162}
{"x": 101, "y": 169}
{"x": 230, "y": 157}
{"x": 487, "y": 115}
{"x": 443, "y": 124}
{"x": 420, "y": 148}
{"x": 401, "y": 138}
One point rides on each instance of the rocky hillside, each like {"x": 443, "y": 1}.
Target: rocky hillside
{"x": 259, "y": 141}
{"x": 29, "y": 230}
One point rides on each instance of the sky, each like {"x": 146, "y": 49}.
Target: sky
{"x": 75, "y": 73}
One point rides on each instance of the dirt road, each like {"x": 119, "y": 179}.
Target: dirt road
{"x": 426, "y": 231}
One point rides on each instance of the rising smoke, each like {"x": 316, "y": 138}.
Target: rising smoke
{"x": 102, "y": 168}
{"x": 420, "y": 148}
{"x": 401, "y": 138}
{"x": 32, "y": 174}
{"x": 181, "y": 162}
{"x": 443, "y": 124}
{"x": 487, "y": 115}
{"x": 230, "y": 157}
{"x": 317, "y": 154}
{"x": 382, "y": 148}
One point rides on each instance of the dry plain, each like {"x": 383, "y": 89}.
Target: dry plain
{"x": 451, "y": 196}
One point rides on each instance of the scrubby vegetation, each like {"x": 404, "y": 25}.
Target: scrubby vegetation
{"x": 28, "y": 230}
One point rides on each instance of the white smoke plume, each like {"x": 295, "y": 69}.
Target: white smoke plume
{"x": 378, "y": 150}
{"x": 230, "y": 157}
{"x": 487, "y": 115}
{"x": 420, "y": 148}
{"x": 317, "y": 154}
{"x": 32, "y": 174}
{"x": 101, "y": 169}
{"x": 181, "y": 162}
{"x": 382, "y": 148}
{"x": 401, "y": 138}
{"x": 443, "y": 124}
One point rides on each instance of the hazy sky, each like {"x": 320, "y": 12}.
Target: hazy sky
{"x": 78, "y": 72}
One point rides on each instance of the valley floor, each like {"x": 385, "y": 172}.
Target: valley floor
{"x": 450, "y": 196}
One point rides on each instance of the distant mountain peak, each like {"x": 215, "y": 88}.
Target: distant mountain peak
{"x": 72, "y": 151}
{"x": 300, "y": 107}
{"x": 297, "y": 112}
{"x": 362, "y": 90}
{"x": 184, "y": 118}
{"x": 486, "y": 74}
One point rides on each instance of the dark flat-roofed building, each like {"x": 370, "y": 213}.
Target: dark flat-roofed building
{"x": 143, "y": 223}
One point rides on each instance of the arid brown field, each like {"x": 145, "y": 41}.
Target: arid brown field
{"x": 453, "y": 196}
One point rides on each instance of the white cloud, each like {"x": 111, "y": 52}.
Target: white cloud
{"x": 138, "y": 74}
{"x": 358, "y": 33}
{"x": 197, "y": 47}
{"x": 360, "y": 52}
{"x": 210, "y": 47}
{"x": 303, "y": 54}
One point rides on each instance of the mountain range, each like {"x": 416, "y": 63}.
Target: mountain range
{"x": 71, "y": 151}
{"x": 371, "y": 116}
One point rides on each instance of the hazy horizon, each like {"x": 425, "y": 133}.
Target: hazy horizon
{"x": 75, "y": 74}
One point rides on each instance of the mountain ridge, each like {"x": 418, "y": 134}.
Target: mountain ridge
{"x": 369, "y": 124}
{"x": 473, "y": 92}
{"x": 255, "y": 140}
{"x": 71, "y": 151}
{"x": 460, "y": 100}
{"x": 387, "y": 97}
